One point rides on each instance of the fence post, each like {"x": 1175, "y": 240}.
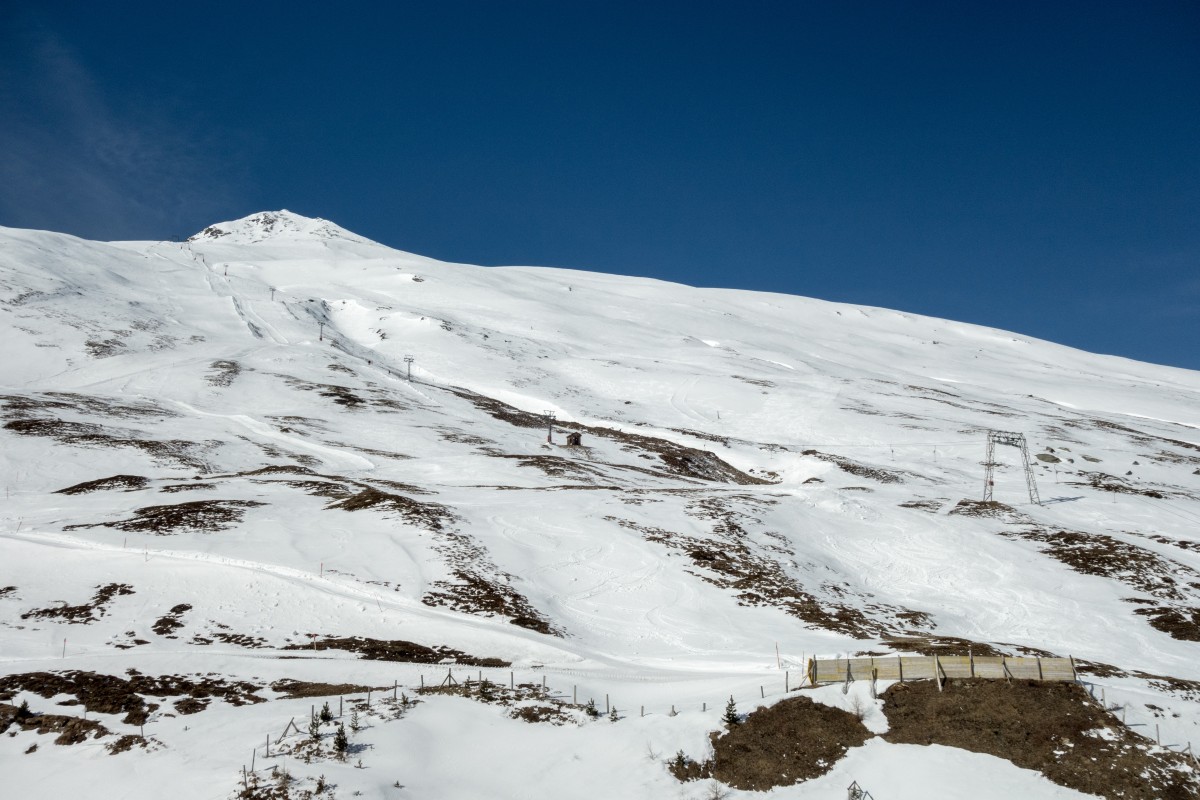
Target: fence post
{"x": 900, "y": 667}
{"x": 786, "y": 679}
{"x": 937, "y": 671}
{"x": 1039, "y": 663}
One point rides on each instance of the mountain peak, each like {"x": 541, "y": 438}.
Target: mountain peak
{"x": 274, "y": 225}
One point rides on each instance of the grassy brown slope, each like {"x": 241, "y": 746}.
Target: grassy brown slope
{"x": 1053, "y": 728}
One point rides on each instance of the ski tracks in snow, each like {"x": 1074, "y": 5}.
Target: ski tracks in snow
{"x": 328, "y": 454}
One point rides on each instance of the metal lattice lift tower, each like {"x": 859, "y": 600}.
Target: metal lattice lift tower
{"x": 1013, "y": 440}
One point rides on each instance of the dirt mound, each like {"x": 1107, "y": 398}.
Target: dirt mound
{"x": 1054, "y": 728}
{"x": 791, "y": 741}
{"x": 291, "y": 689}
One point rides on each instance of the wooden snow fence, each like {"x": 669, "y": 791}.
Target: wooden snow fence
{"x": 940, "y": 668}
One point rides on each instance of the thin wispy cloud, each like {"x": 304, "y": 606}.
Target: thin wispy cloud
{"x": 70, "y": 152}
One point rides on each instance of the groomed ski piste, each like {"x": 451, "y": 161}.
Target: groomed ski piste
{"x": 265, "y": 496}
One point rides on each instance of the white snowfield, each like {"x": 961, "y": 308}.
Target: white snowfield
{"x": 762, "y": 479}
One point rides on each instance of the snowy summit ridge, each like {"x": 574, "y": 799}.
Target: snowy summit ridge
{"x": 266, "y": 226}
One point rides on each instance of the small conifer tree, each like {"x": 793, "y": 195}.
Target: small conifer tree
{"x": 590, "y": 709}
{"x": 355, "y": 725}
{"x": 341, "y": 745}
{"x": 326, "y": 714}
{"x": 314, "y": 729}
{"x": 612, "y": 714}
{"x": 730, "y": 717}
{"x": 23, "y": 711}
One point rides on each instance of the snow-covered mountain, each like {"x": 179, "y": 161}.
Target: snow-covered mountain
{"x": 279, "y": 435}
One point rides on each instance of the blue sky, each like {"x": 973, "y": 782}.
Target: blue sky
{"x": 1031, "y": 166}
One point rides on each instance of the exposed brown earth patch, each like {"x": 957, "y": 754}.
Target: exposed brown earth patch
{"x": 932, "y": 506}
{"x": 755, "y": 563}
{"x": 990, "y": 509}
{"x": 472, "y": 592}
{"x": 127, "y": 482}
{"x": 432, "y": 516}
{"x": 1112, "y": 483}
{"x": 223, "y": 373}
{"x": 1107, "y": 556}
{"x": 679, "y": 460}
{"x": 558, "y": 467}
{"x": 186, "y": 487}
{"x": 1053, "y": 728}
{"x": 1176, "y": 584}
{"x": 172, "y": 621}
{"x": 86, "y": 612}
{"x": 42, "y": 415}
{"x": 529, "y": 702}
{"x": 317, "y": 488}
{"x": 109, "y": 694}
{"x": 86, "y": 434}
{"x": 1178, "y": 622}
{"x": 291, "y": 689}
{"x": 854, "y": 468}
{"x": 342, "y": 395}
{"x": 939, "y": 646}
{"x": 398, "y": 650}
{"x": 70, "y": 730}
{"x": 202, "y": 516}
{"x": 792, "y": 741}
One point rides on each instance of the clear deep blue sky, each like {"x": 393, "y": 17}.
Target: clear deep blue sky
{"x": 1032, "y": 166}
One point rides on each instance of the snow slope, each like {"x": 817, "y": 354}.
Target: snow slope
{"x": 759, "y": 474}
